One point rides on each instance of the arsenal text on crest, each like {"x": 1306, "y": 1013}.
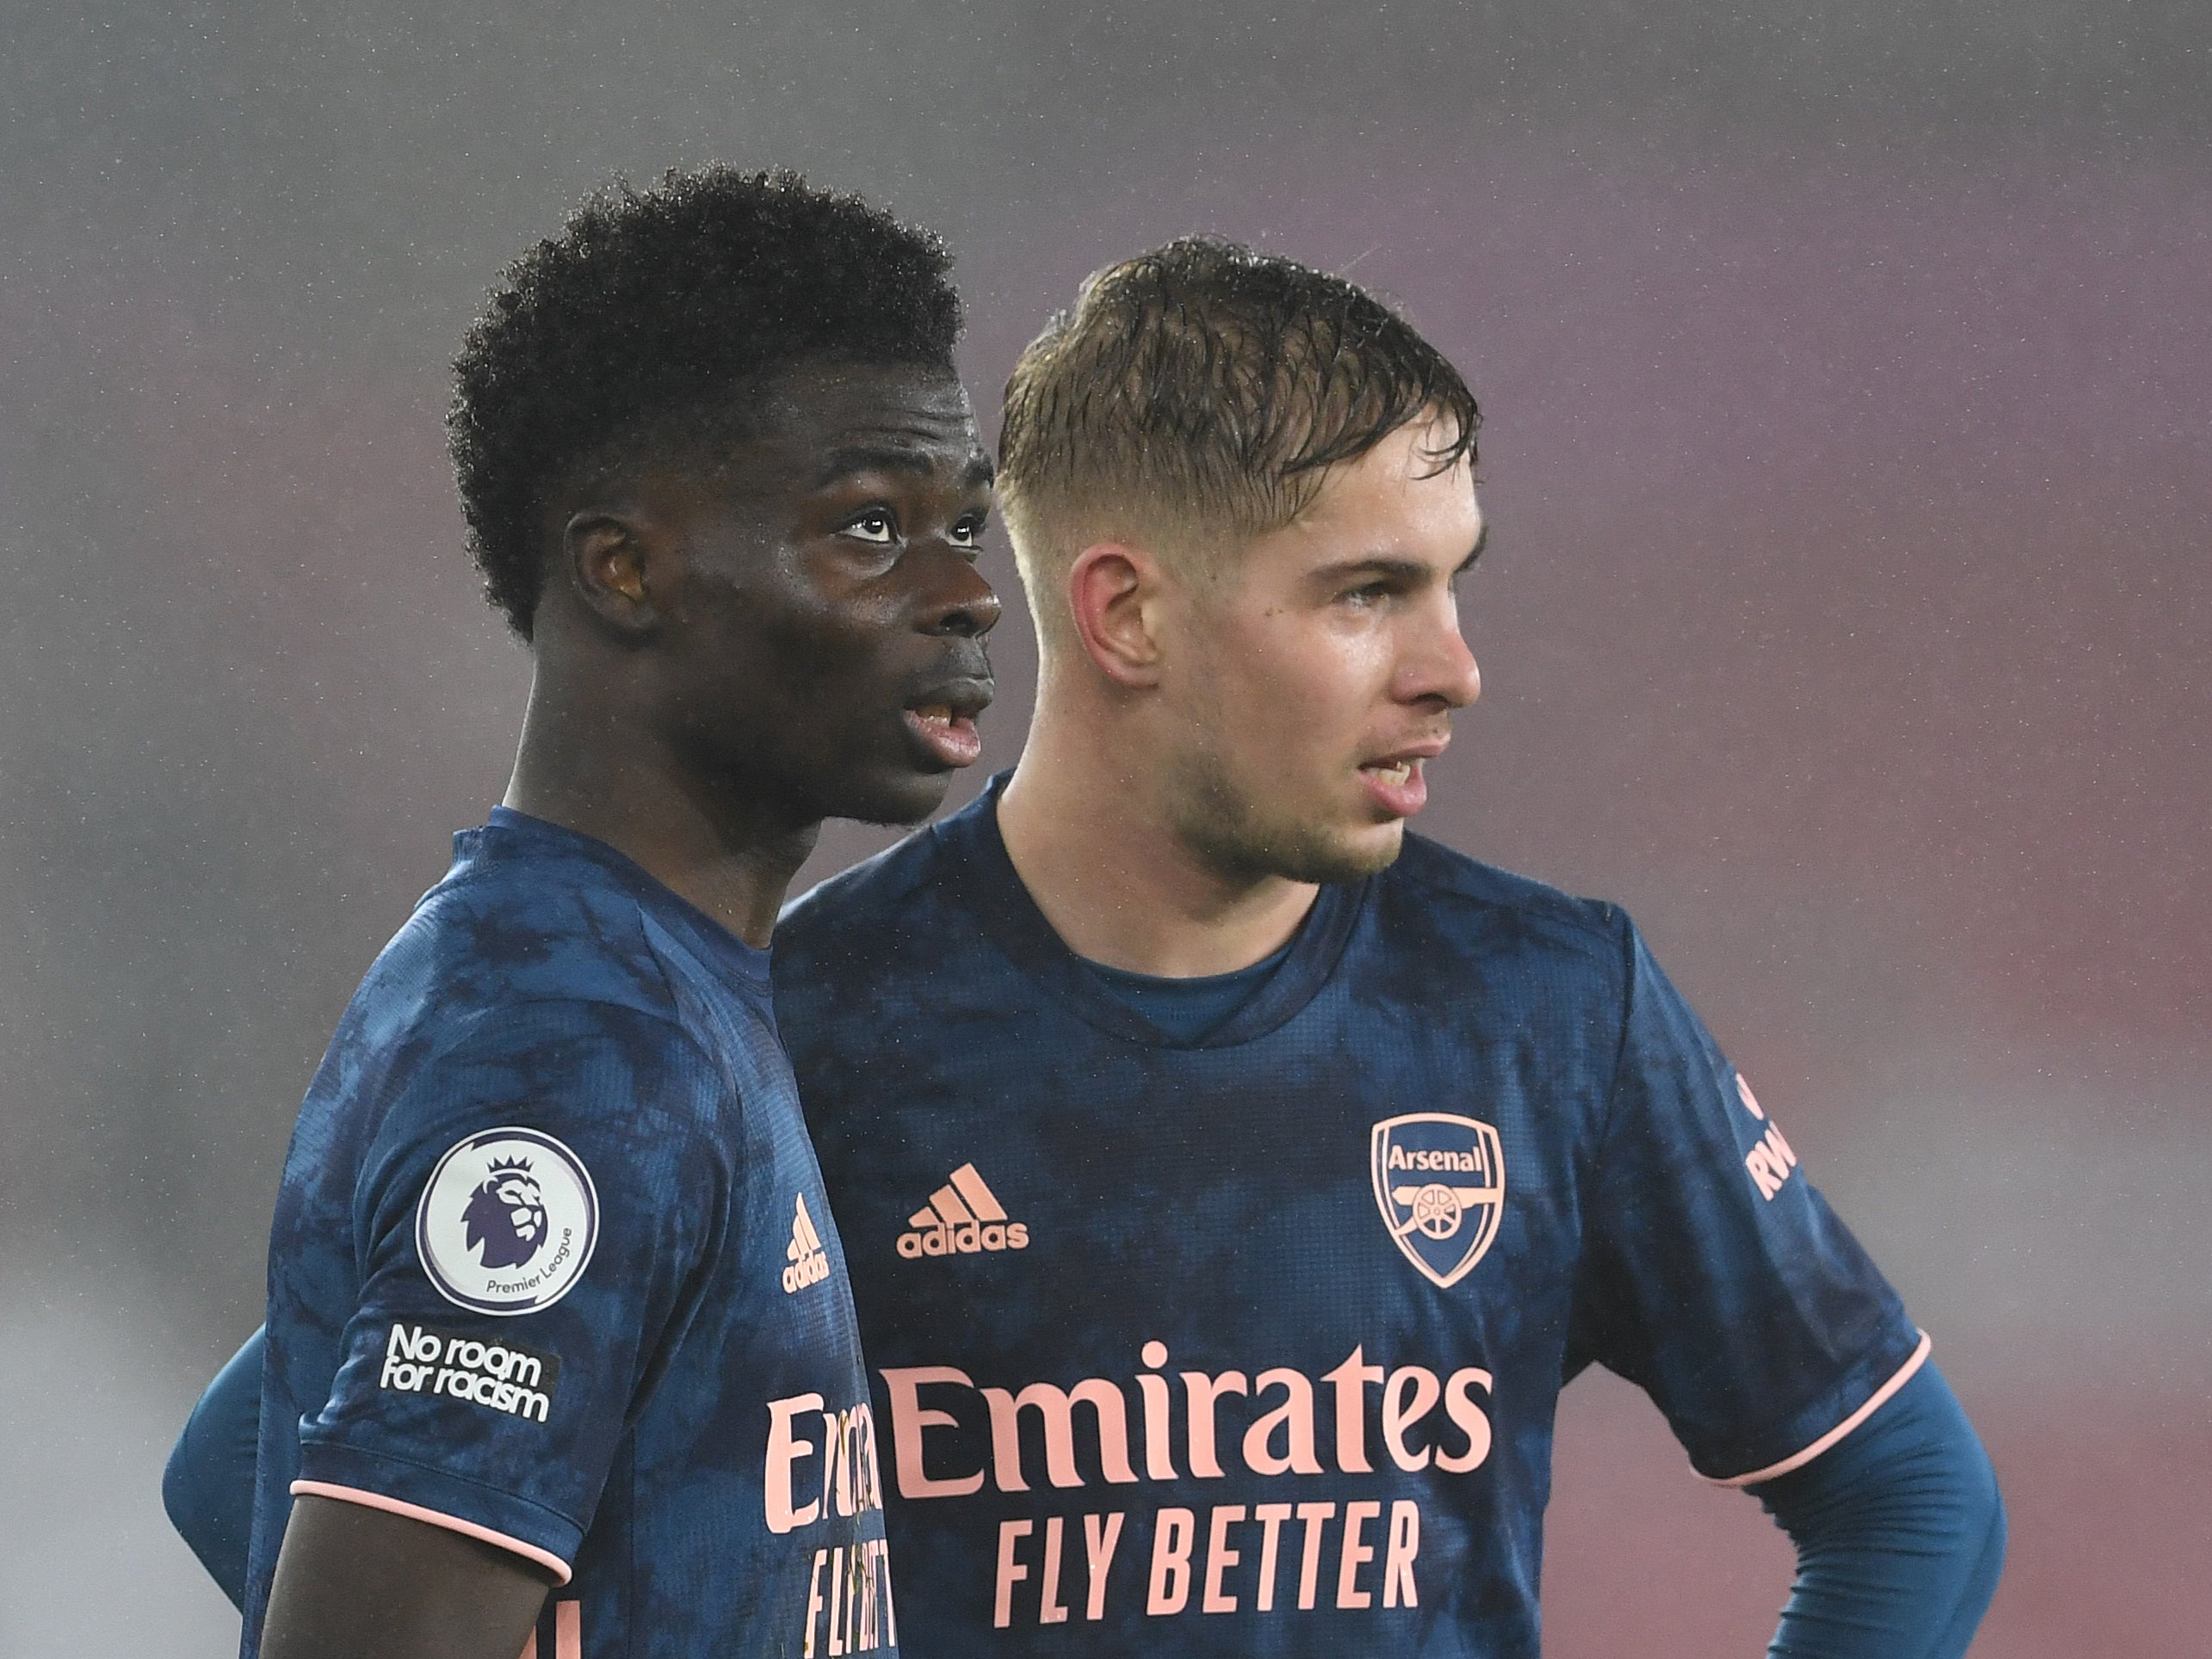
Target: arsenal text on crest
{"x": 1440, "y": 1183}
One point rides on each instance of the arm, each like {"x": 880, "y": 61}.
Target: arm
{"x": 208, "y": 1488}
{"x": 570, "y": 1131}
{"x": 1721, "y": 1281}
{"x": 355, "y": 1583}
{"x": 1900, "y": 1532}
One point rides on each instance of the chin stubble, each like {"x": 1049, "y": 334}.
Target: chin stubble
{"x": 1225, "y": 824}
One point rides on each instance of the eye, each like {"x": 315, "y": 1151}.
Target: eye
{"x": 1369, "y": 594}
{"x": 967, "y": 532}
{"x": 875, "y": 524}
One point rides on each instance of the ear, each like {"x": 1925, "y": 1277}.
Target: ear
{"x": 608, "y": 560}
{"x": 1114, "y": 594}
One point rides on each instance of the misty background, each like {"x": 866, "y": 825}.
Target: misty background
{"x": 1844, "y": 366}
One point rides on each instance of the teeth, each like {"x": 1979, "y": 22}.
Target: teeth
{"x": 934, "y": 714}
{"x": 1397, "y": 772}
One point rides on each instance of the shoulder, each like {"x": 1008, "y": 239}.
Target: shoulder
{"x": 549, "y": 988}
{"x": 1442, "y": 904}
{"x": 549, "y": 932}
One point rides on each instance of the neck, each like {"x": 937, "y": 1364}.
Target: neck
{"x": 596, "y": 770}
{"x": 1094, "y": 843}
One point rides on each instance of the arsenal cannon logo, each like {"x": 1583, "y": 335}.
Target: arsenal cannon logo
{"x": 1440, "y": 1182}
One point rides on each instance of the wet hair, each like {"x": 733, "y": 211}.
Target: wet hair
{"x": 645, "y": 329}
{"x": 1197, "y": 394}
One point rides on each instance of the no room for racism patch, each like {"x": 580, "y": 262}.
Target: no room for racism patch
{"x": 503, "y": 1376}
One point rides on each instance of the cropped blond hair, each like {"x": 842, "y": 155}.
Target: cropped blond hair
{"x": 1193, "y": 397}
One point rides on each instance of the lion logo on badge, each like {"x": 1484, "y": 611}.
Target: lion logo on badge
{"x": 507, "y": 1221}
{"x": 506, "y": 1215}
{"x": 1440, "y": 1183}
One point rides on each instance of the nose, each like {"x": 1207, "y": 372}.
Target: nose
{"x": 961, "y": 604}
{"x": 1439, "y": 670}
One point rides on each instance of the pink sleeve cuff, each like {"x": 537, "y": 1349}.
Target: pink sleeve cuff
{"x": 545, "y": 1558}
{"x": 1798, "y": 1460}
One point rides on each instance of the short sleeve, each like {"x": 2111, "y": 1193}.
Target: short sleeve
{"x": 1716, "y": 1278}
{"x": 530, "y": 1224}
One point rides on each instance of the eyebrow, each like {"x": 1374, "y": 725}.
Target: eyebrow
{"x": 844, "y": 462}
{"x": 1400, "y": 569}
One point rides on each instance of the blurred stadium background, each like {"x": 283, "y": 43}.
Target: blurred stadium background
{"x": 1846, "y": 367}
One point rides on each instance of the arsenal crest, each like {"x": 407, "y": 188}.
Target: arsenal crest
{"x": 1440, "y": 1182}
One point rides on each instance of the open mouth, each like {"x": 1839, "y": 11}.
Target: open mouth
{"x": 946, "y": 729}
{"x": 1397, "y": 784}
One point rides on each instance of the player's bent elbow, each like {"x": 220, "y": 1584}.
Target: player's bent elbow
{"x": 356, "y": 1582}
{"x": 1984, "y": 1500}
{"x": 1984, "y": 1504}
{"x": 1977, "y": 1523}
{"x": 195, "y": 1498}
{"x": 178, "y": 1487}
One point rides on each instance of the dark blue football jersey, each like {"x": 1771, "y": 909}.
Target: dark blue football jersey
{"x": 1250, "y": 1344}
{"x": 552, "y": 1267}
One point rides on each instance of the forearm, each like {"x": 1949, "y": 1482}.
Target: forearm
{"x": 353, "y": 1583}
{"x": 1900, "y": 1532}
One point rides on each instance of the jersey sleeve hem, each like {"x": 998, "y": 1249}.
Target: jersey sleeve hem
{"x": 440, "y": 1498}
{"x": 1873, "y": 1404}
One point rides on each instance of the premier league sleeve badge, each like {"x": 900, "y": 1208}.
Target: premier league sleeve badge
{"x": 506, "y": 1222}
{"x": 1440, "y": 1182}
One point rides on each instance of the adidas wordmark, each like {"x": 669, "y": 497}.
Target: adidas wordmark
{"x": 962, "y": 1217}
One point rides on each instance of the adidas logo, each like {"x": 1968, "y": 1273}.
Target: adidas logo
{"x": 961, "y": 1218}
{"x": 809, "y": 1266}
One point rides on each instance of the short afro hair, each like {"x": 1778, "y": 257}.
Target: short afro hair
{"x": 653, "y": 311}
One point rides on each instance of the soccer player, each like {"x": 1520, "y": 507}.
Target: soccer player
{"x": 555, "y": 1296}
{"x": 1231, "y": 1179}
